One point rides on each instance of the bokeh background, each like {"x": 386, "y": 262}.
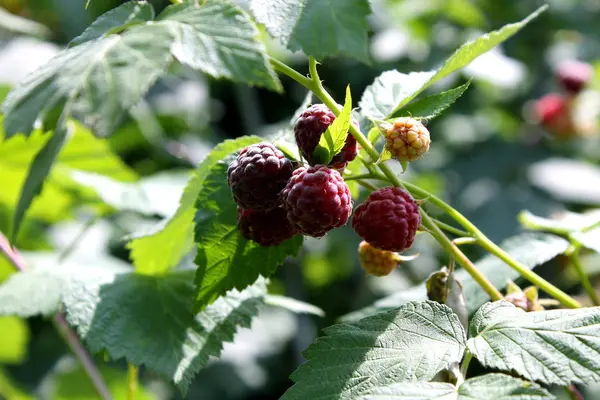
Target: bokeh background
{"x": 490, "y": 159}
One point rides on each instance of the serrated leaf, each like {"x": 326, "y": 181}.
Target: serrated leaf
{"x": 15, "y": 338}
{"x": 318, "y": 28}
{"x": 100, "y": 80}
{"x": 380, "y": 99}
{"x": 490, "y": 386}
{"x": 163, "y": 247}
{"x": 83, "y": 152}
{"x": 531, "y": 249}
{"x": 226, "y": 259}
{"x": 154, "y": 195}
{"x": 157, "y": 327}
{"x": 333, "y": 139}
{"x": 553, "y": 347}
{"x": 501, "y": 387}
{"x": 293, "y": 305}
{"x": 37, "y": 173}
{"x": 392, "y": 90}
{"x": 411, "y": 343}
{"x": 220, "y": 39}
{"x": 124, "y": 15}
{"x": 431, "y": 106}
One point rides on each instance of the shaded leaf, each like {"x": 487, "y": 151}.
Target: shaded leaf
{"x": 318, "y": 28}
{"x": 554, "y": 347}
{"x": 226, "y": 259}
{"x": 501, "y": 387}
{"x": 163, "y": 247}
{"x": 431, "y": 106}
{"x": 411, "y": 343}
{"x": 126, "y": 14}
{"x": 157, "y": 327}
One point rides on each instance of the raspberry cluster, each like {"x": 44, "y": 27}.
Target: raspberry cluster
{"x": 276, "y": 200}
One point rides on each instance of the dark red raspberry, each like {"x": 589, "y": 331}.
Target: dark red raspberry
{"x": 388, "y": 219}
{"x": 553, "y": 112}
{"x": 308, "y": 130}
{"x": 267, "y": 228}
{"x": 257, "y": 176}
{"x": 317, "y": 200}
{"x": 574, "y": 75}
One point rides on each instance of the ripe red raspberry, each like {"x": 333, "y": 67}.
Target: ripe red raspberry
{"x": 308, "y": 130}
{"x": 553, "y": 112}
{"x": 257, "y": 176}
{"x": 267, "y": 228}
{"x": 574, "y": 75}
{"x": 407, "y": 139}
{"x": 317, "y": 200}
{"x": 377, "y": 262}
{"x": 388, "y": 219}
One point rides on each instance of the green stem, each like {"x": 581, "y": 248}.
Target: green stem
{"x": 464, "y": 367}
{"x": 464, "y": 240}
{"x": 583, "y": 277}
{"x": 367, "y": 185}
{"x": 450, "y": 228}
{"x": 132, "y": 382}
{"x": 292, "y": 73}
{"x": 362, "y": 176}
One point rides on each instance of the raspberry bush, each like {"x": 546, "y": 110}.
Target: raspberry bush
{"x": 277, "y": 210}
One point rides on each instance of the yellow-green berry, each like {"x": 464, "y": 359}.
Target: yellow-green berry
{"x": 407, "y": 139}
{"x": 375, "y": 261}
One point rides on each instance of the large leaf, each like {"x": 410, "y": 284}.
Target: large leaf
{"x": 220, "y": 39}
{"x": 431, "y": 106}
{"x": 157, "y": 327}
{"x": 226, "y": 259}
{"x": 555, "y": 175}
{"x": 320, "y": 28}
{"x": 531, "y": 249}
{"x": 124, "y": 15}
{"x": 15, "y": 338}
{"x": 589, "y": 239}
{"x": 411, "y": 343}
{"x": 554, "y": 347}
{"x": 83, "y": 152}
{"x": 490, "y": 386}
{"x": 100, "y": 80}
{"x": 392, "y": 90}
{"x": 166, "y": 244}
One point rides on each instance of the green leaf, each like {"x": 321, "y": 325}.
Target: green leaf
{"x": 226, "y": 259}
{"x": 15, "y": 338}
{"x": 555, "y": 176}
{"x": 293, "y": 305}
{"x": 38, "y": 171}
{"x": 100, "y": 80}
{"x": 9, "y": 390}
{"x": 589, "y": 239}
{"x": 221, "y": 40}
{"x": 17, "y": 24}
{"x": 431, "y": 106}
{"x": 553, "y": 347}
{"x": 354, "y": 167}
{"x": 76, "y": 385}
{"x": 501, "y": 387}
{"x": 490, "y": 386}
{"x": 380, "y": 99}
{"x": 413, "y": 342}
{"x": 124, "y": 15}
{"x": 531, "y": 249}
{"x": 154, "y": 195}
{"x": 319, "y": 28}
{"x": 392, "y": 90}
{"x": 157, "y": 327}
{"x": 333, "y": 139}
{"x": 163, "y": 247}
{"x": 562, "y": 223}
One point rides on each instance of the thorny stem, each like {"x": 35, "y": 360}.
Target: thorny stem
{"x": 583, "y": 277}
{"x": 314, "y": 84}
{"x": 63, "y": 328}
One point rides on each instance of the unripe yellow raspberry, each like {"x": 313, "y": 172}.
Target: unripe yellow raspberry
{"x": 375, "y": 261}
{"x": 407, "y": 139}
